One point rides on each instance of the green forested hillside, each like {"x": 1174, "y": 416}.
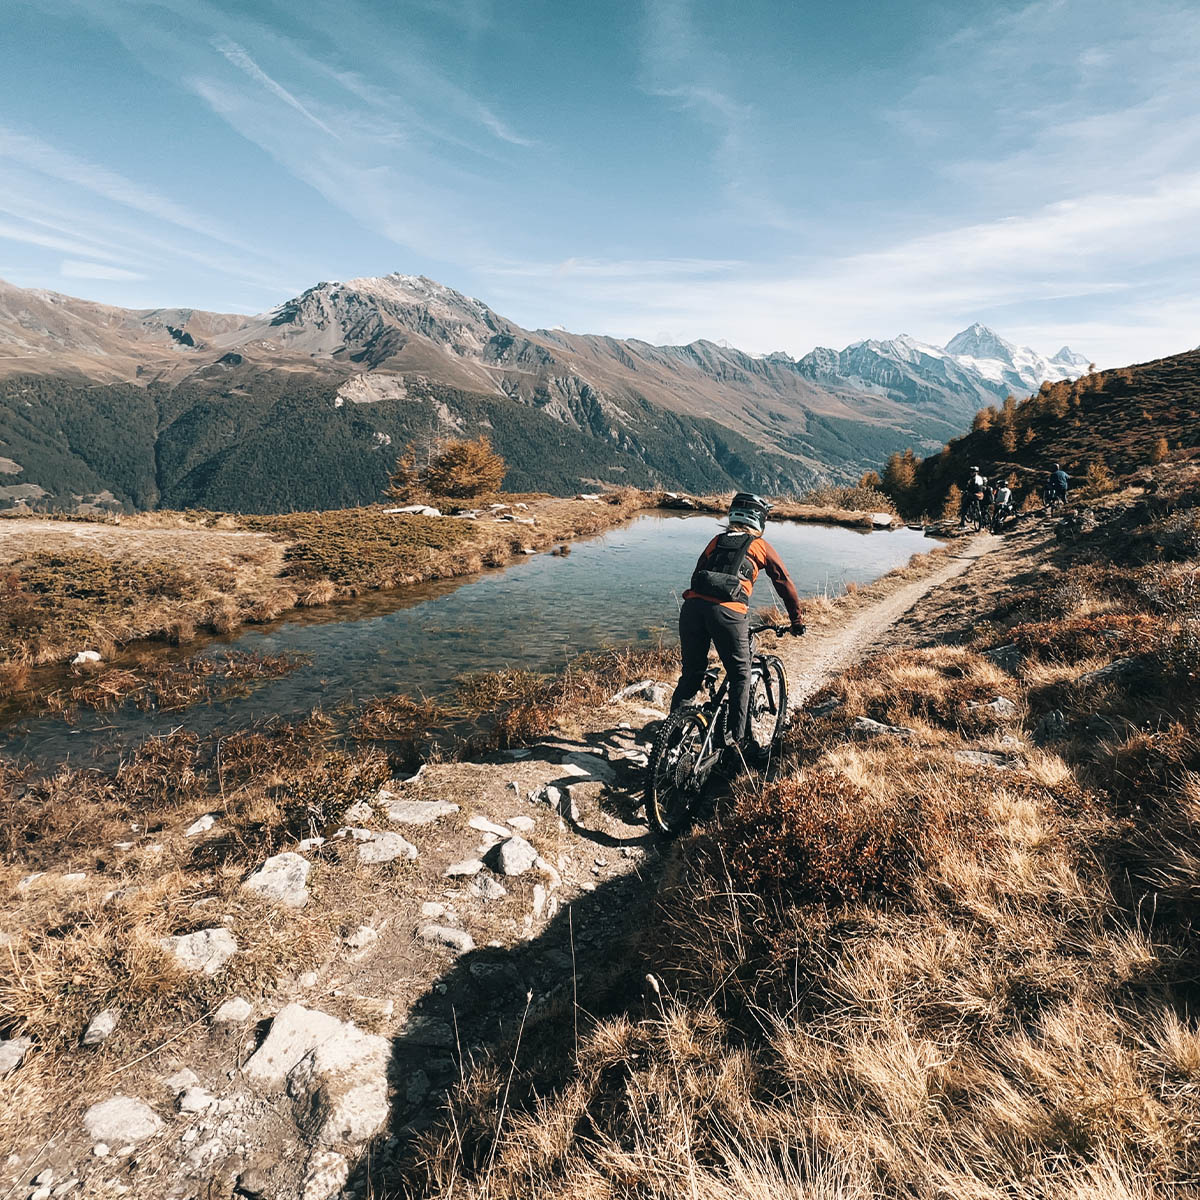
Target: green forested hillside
{"x": 247, "y": 440}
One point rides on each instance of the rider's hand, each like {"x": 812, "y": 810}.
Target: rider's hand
{"x": 798, "y": 629}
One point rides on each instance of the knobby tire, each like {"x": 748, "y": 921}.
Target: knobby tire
{"x": 672, "y": 788}
{"x": 768, "y": 691}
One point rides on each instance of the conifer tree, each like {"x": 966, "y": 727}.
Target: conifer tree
{"x": 1161, "y": 450}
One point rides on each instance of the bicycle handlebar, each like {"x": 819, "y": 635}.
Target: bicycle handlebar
{"x": 777, "y": 630}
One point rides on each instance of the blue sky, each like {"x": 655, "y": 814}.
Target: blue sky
{"x": 779, "y": 175}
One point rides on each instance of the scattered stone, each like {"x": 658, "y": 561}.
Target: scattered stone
{"x": 44, "y": 1177}
{"x": 1052, "y": 727}
{"x": 487, "y": 888}
{"x": 233, "y": 1012}
{"x": 442, "y": 935}
{"x": 309, "y": 844}
{"x": 1118, "y": 669}
{"x": 416, "y": 510}
{"x": 355, "y": 833}
{"x": 360, "y": 812}
{"x": 431, "y": 908}
{"x": 100, "y": 1150}
{"x": 308, "y": 979}
{"x": 882, "y": 520}
{"x": 518, "y": 752}
{"x": 206, "y": 950}
{"x": 1007, "y": 658}
{"x": 866, "y": 728}
{"x": 121, "y": 1119}
{"x": 468, "y": 866}
{"x": 483, "y": 825}
{"x": 386, "y": 847}
{"x": 42, "y": 1193}
{"x": 418, "y": 812}
{"x": 539, "y": 901}
{"x": 985, "y": 758}
{"x": 327, "y": 1175}
{"x": 183, "y": 1079}
{"x": 74, "y": 877}
{"x": 200, "y": 825}
{"x": 29, "y": 880}
{"x": 513, "y": 856}
{"x": 282, "y": 878}
{"x": 362, "y": 937}
{"x": 1002, "y": 708}
{"x": 417, "y": 1089}
{"x": 522, "y": 824}
{"x": 100, "y": 1027}
{"x": 67, "y": 1186}
{"x": 195, "y": 1100}
{"x": 548, "y": 869}
{"x": 85, "y": 657}
{"x": 826, "y": 708}
{"x": 426, "y": 1031}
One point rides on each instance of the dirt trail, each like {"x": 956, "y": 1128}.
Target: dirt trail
{"x": 824, "y": 653}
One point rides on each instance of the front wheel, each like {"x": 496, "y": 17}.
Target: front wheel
{"x": 768, "y": 703}
{"x": 674, "y": 776}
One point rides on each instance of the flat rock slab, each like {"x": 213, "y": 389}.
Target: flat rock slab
{"x": 206, "y": 950}
{"x": 864, "y": 727}
{"x": 121, "y": 1121}
{"x": 418, "y": 812}
{"x": 335, "y": 1073}
{"x": 384, "y": 848}
{"x": 282, "y": 878}
{"x": 442, "y": 935}
{"x": 1001, "y": 708}
{"x": 464, "y": 869}
{"x": 985, "y": 758}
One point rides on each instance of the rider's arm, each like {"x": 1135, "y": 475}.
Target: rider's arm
{"x": 781, "y": 581}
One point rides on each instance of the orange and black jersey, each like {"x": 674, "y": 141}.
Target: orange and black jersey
{"x": 761, "y": 555}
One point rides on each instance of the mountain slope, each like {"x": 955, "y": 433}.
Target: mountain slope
{"x": 332, "y": 378}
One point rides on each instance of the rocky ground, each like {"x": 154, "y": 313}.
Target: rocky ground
{"x": 520, "y": 877}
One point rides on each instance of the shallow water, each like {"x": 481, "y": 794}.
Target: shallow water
{"x": 539, "y": 613}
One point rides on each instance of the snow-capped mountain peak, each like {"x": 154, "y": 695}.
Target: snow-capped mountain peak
{"x": 978, "y": 341}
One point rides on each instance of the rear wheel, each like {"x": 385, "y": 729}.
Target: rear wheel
{"x": 673, "y": 784}
{"x": 768, "y": 703}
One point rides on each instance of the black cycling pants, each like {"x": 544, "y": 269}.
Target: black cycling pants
{"x": 702, "y": 624}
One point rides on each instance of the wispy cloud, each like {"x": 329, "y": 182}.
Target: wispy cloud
{"x": 240, "y": 59}
{"x": 75, "y": 269}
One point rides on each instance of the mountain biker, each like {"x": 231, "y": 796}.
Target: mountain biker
{"x": 1058, "y": 482}
{"x": 716, "y": 607}
{"x": 1002, "y": 505}
{"x": 972, "y": 491}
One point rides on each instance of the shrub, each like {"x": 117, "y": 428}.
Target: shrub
{"x": 1083, "y": 637}
{"x": 817, "y": 837}
{"x": 463, "y": 469}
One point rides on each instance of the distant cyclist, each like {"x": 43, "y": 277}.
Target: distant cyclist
{"x": 716, "y": 607}
{"x": 1002, "y": 506}
{"x": 972, "y": 493}
{"x": 1058, "y": 483}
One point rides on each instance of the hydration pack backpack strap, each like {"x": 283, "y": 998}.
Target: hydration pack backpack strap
{"x": 723, "y": 572}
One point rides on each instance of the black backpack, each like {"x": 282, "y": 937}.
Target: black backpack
{"x": 724, "y": 569}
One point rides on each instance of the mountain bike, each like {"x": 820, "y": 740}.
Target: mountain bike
{"x": 1000, "y": 514}
{"x": 975, "y": 515}
{"x": 1051, "y": 497}
{"x": 692, "y": 738}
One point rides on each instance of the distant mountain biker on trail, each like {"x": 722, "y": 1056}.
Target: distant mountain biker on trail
{"x": 1058, "y": 483}
{"x": 716, "y": 607}
{"x": 972, "y": 493}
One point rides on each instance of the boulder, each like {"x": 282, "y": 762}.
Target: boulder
{"x": 882, "y": 520}
{"x": 100, "y": 1027}
{"x": 121, "y": 1121}
{"x": 360, "y": 812}
{"x": 206, "y": 950}
{"x": 487, "y": 888}
{"x": 195, "y": 1100}
{"x": 442, "y": 935}
{"x": 514, "y": 856}
{"x": 85, "y": 658}
{"x": 1120, "y": 668}
{"x": 417, "y": 812}
{"x": 283, "y": 878}
{"x": 1007, "y": 658}
{"x": 325, "y": 1177}
{"x": 1001, "y": 708}
{"x": 384, "y": 848}
{"x": 293, "y": 1033}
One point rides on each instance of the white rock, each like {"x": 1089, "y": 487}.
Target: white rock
{"x": 183, "y": 1079}
{"x": 514, "y": 856}
{"x": 468, "y": 866}
{"x": 418, "y": 812}
{"x": 522, "y": 824}
{"x": 539, "y": 901}
{"x": 550, "y": 871}
{"x": 282, "y": 878}
{"x": 100, "y": 1149}
{"x": 44, "y": 1177}
{"x": 308, "y": 979}
{"x": 483, "y": 825}
{"x": 25, "y": 884}
{"x": 195, "y": 1099}
{"x": 1001, "y": 707}
{"x": 355, "y": 832}
{"x": 882, "y": 520}
{"x": 121, "y": 1119}
{"x": 431, "y": 908}
{"x": 12, "y": 1054}
{"x": 100, "y": 1027}
{"x": 74, "y": 877}
{"x": 42, "y": 1193}
{"x": 487, "y": 888}
{"x": 201, "y": 825}
{"x": 66, "y": 1187}
{"x": 86, "y": 656}
{"x": 867, "y": 728}
{"x": 309, "y": 844}
{"x": 360, "y": 812}
{"x": 386, "y": 847}
{"x": 233, "y": 1012}
{"x": 362, "y": 937}
{"x": 326, "y": 1176}
{"x": 206, "y": 950}
{"x": 443, "y": 935}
